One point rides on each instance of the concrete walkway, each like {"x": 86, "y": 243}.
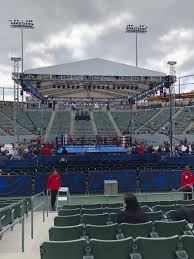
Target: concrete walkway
{"x": 10, "y": 245}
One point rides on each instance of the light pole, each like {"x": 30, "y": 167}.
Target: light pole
{"x": 15, "y": 61}
{"x": 22, "y": 25}
{"x": 136, "y": 29}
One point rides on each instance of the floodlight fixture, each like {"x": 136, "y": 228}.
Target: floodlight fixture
{"x": 136, "y": 29}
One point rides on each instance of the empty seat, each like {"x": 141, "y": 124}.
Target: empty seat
{"x": 188, "y": 245}
{"x": 114, "y": 205}
{"x": 71, "y": 207}
{"x": 115, "y": 249}
{"x": 136, "y": 230}
{"x": 112, "y": 210}
{"x": 106, "y": 232}
{"x": 68, "y": 212}
{"x": 64, "y": 249}
{"x": 160, "y": 248}
{"x": 149, "y": 203}
{"x": 171, "y": 215}
{"x": 66, "y": 233}
{"x": 185, "y": 202}
{"x": 113, "y": 218}
{"x": 167, "y": 229}
{"x": 92, "y": 206}
{"x": 97, "y": 219}
{"x": 152, "y": 216}
{"x": 146, "y": 209}
{"x": 67, "y": 220}
{"x": 92, "y": 211}
{"x": 164, "y": 208}
{"x": 167, "y": 203}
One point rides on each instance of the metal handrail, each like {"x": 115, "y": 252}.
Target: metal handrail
{"x": 11, "y": 205}
{"x": 36, "y": 207}
{"x": 6, "y": 228}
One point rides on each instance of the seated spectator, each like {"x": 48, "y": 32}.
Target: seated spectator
{"x": 46, "y": 151}
{"x": 132, "y": 212}
{"x": 184, "y": 213}
{"x": 141, "y": 149}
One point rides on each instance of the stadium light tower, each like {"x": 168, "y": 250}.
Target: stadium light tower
{"x": 136, "y": 29}
{"x": 22, "y": 25}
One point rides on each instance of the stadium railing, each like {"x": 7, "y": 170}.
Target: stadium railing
{"x": 13, "y": 222}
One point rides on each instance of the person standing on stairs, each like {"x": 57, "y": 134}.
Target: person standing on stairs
{"x": 54, "y": 183}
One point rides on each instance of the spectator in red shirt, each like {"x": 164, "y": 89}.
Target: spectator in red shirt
{"x": 141, "y": 149}
{"x": 54, "y": 183}
{"x": 187, "y": 181}
{"x": 46, "y": 151}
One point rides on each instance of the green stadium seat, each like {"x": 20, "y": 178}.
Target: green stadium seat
{"x": 73, "y": 220}
{"x": 136, "y": 230}
{"x": 146, "y": 209}
{"x": 63, "y": 249}
{"x": 112, "y": 249}
{"x": 168, "y": 229}
{"x": 157, "y": 248}
{"x": 97, "y": 219}
{"x": 113, "y": 218}
{"x": 185, "y": 202}
{"x": 92, "y": 206}
{"x": 152, "y": 216}
{"x": 106, "y": 232}
{"x": 114, "y": 205}
{"x": 188, "y": 245}
{"x": 112, "y": 210}
{"x": 6, "y": 217}
{"x": 149, "y": 203}
{"x": 167, "y": 203}
{"x": 171, "y": 215}
{"x": 69, "y": 207}
{"x": 69, "y": 212}
{"x": 66, "y": 233}
{"x": 164, "y": 208}
{"x": 92, "y": 211}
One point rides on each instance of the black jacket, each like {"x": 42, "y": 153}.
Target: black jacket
{"x": 184, "y": 213}
{"x": 132, "y": 216}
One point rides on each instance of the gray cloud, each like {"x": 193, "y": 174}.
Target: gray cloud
{"x": 70, "y": 30}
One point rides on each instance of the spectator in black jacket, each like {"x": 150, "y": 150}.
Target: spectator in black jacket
{"x": 184, "y": 213}
{"x": 132, "y": 212}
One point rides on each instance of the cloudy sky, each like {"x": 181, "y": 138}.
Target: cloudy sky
{"x": 70, "y": 30}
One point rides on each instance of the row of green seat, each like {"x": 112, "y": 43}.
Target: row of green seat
{"x": 98, "y": 219}
{"x": 117, "y": 205}
{"x": 69, "y": 212}
{"x": 141, "y": 248}
{"x": 124, "y": 230}
{"x": 8, "y": 214}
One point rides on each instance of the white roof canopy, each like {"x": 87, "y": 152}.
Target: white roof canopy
{"x": 95, "y": 66}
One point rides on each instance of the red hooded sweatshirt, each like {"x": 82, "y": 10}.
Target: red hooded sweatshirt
{"x": 187, "y": 178}
{"x": 54, "y": 182}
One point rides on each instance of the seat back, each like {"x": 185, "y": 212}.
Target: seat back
{"x": 67, "y": 220}
{"x": 66, "y": 249}
{"x": 92, "y": 211}
{"x": 113, "y": 217}
{"x": 112, "y": 210}
{"x": 114, "y": 205}
{"x": 106, "y": 232}
{"x": 152, "y": 216}
{"x": 68, "y": 212}
{"x": 188, "y": 245}
{"x": 96, "y": 219}
{"x": 146, "y": 209}
{"x": 69, "y": 207}
{"x": 160, "y": 248}
{"x": 167, "y": 229}
{"x": 171, "y": 215}
{"x": 112, "y": 249}
{"x": 92, "y": 206}
{"x": 65, "y": 233}
{"x": 164, "y": 208}
{"x": 136, "y": 230}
